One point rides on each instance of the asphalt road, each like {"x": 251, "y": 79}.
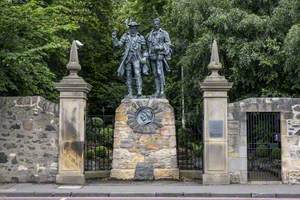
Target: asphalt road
{"x": 134, "y": 198}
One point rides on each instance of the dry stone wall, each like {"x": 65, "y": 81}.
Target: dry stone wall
{"x": 28, "y": 139}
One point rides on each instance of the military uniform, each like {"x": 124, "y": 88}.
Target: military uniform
{"x": 159, "y": 52}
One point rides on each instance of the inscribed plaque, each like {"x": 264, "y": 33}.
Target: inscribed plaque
{"x": 215, "y": 128}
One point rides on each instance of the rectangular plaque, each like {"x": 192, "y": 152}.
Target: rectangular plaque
{"x": 215, "y": 128}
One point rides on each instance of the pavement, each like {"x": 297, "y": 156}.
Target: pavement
{"x": 133, "y": 198}
{"x": 136, "y": 190}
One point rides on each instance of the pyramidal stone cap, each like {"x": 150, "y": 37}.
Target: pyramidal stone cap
{"x": 214, "y": 58}
{"x": 73, "y": 65}
{"x": 215, "y": 81}
{"x": 73, "y": 82}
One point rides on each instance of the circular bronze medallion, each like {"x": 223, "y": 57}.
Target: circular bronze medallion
{"x": 144, "y": 116}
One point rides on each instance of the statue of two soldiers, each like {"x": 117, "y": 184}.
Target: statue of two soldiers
{"x": 156, "y": 48}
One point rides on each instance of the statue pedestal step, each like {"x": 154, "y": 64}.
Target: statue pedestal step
{"x": 144, "y": 140}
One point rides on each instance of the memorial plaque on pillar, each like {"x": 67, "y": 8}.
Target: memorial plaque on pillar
{"x": 215, "y": 128}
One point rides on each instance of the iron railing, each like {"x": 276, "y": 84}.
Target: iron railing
{"x": 99, "y": 142}
{"x": 190, "y": 145}
{"x": 263, "y": 146}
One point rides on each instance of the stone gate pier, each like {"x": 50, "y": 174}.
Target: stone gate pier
{"x": 215, "y": 89}
{"x": 73, "y": 95}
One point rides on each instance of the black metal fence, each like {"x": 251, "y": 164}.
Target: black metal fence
{"x": 190, "y": 144}
{"x": 263, "y": 146}
{"x": 99, "y": 142}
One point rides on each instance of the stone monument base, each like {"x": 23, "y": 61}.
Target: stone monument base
{"x": 144, "y": 141}
{"x": 131, "y": 174}
{"x": 216, "y": 179}
{"x": 70, "y": 179}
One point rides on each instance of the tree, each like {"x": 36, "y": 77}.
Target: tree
{"x": 97, "y": 59}
{"x": 258, "y": 45}
{"x": 28, "y": 38}
{"x": 258, "y": 40}
{"x": 35, "y": 41}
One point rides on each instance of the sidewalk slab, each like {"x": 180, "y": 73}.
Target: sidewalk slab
{"x": 150, "y": 189}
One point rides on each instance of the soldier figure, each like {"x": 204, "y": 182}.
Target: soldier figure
{"x": 134, "y": 61}
{"x": 159, "y": 44}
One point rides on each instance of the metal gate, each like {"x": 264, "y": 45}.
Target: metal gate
{"x": 263, "y": 146}
{"x": 190, "y": 144}
{"x": 99, "y": 142}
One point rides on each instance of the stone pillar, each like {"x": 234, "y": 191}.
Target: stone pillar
{"x": 215, "y": 88}
{"x": 73, "y": 95}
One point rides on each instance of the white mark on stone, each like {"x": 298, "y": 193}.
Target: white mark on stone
{"x": 39, "y": 168}
{"x": 53, "y": 166}
{"x": 22, "y": 168}
{"x": 12, "y": 155}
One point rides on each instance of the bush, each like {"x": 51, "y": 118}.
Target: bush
{"x": 276, "y": 153}
{"x": 107, "y": 132}
{"x": 106, "y": 137}
{"x": 97, "y": 122}
{"x": 262, "y": 150}
{"x": 197, "y": 149}
{"x": 100, "y": 151}
{"x": 90, "y": 154}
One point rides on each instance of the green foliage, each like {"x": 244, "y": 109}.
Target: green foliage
{"x": 262, "y": 150}
{"x": 97, "y": 131}
{"x": 197, "y": 149}
{"x": 34, "y": 47}
{"x": 28, "y": 38}
{"x": 259, "y": 46}
{"x": 276, "y": 153}
{"x": 292, "y": 63}
{"x": 258, "y": 43}
{"x": 90, "y": 154}
{"x": 107, "y": 134}
{"x": 97, "y": 122}
{"x": 101, "y": 151}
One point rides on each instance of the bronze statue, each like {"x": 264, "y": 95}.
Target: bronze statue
{"x": 133, "y": 64}
{"x": 159, "y": 48}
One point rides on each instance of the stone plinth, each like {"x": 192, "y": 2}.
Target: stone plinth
{"x": 215, "y": 88}
{"x": 215, "y": 133}
{"x": 144, "y": 141}
{"x": 73, "y": 91}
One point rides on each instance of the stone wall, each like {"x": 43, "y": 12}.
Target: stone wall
{"x": 28, "y": 139}
{"x": 289, "y": 109}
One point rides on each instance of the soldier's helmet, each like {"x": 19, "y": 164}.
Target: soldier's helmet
{"x": 133, "y": 23}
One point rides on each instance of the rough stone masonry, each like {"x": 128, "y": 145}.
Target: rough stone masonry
{"x": 28, "y": 139}
{"x": 145, "y": 151}
{"x": 289, "y": 109}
